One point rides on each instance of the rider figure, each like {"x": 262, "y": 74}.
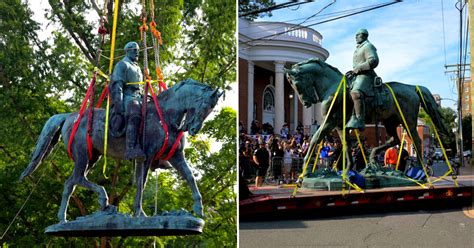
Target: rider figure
{"x": 126, "y": 98}
{"x": 365, "y": 59}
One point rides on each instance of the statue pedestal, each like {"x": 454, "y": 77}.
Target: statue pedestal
{"x": 102, "y": 224}
{"x": 375, "y": 177}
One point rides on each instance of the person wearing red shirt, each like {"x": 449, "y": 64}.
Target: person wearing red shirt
{"x": 391, "y": 156}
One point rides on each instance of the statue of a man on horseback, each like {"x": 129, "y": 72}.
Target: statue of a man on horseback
{"x": 126, "y": 101}
{"x": 365, "y": 59}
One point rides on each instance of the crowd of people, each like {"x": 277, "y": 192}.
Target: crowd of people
{"x": 262, "y": 149}
{"x": 265, "y": 154}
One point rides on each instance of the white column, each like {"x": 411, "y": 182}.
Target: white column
{"x": 318, "y": 116}
{"x": 279, "y": 96}
{"x": 307, "y": 116}
{"x": 250, "y": 101}
{"x": 295, "y": 110}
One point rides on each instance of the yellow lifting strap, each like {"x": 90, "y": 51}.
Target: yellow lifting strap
{"x": 400, "y": 151}
{"x": 409, "y": 133}
{"x": 111, "y": 64}
{"x": 361, "y": 147}
{"x": 345, "y": 180}
{"x": 151, "y": 81}
{"x": 334, "y": 166}
{"x": 101, "y": 73}
{"x": 320, "y": 146}
{"x": 342, "y": 83}
{"x": 440, "y": 144}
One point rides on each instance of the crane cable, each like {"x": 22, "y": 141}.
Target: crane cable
{"x": 111, "y": 64}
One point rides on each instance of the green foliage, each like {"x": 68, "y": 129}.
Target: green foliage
{"x": 41, "y": 78}
{"x": 448, "y": 117}
{"x": 208, "y": 44}
{"x": 246, "y": 6}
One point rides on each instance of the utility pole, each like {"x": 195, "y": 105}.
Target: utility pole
{"x": 460, "y": 6}
{"x": 470, "y": 8}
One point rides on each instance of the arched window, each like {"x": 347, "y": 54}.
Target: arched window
{"x": 268, "y": 99}
{"x": 268, "y": 105}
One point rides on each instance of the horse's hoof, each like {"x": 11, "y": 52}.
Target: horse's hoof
{"x": 62, "y": 222}
{"x": 198, "y": 211}
{"x": 110, "y": 209}
{"x": 140, "y": 214}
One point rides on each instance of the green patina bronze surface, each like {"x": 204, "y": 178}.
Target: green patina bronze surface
{"x": 375, "y": 177}
{"x": 185, "y": 106}
{"x": 317, "y": 82}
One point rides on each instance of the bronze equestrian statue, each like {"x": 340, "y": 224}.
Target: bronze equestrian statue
{"x": 316, "y": 81}
{"x": 126, "y": 101}
{"x": 184, "y": 108}
{"x": 364, "y": 61}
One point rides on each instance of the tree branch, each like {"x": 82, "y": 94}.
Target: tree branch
{"x": 57, "y": 9}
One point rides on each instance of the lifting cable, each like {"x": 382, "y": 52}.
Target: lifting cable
{"x": 411, "y": 137}
{"x": 111, "y": 64}
{"x": 342, "y": 83}
{"x": 440, "y": 144}
{"x": 89, "y": 97}
{"x": 345, "y": 180}
{"x": 148, "y": 87}
{"x": 400, "y": 151}
{"x": 361, "y": 147}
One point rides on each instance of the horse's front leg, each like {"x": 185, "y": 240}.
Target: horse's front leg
{"x": 322, "y": 131}
{"x": 184, "y": 170}
{"x": 348, "y": 144}
{"x": 141, "y": 173}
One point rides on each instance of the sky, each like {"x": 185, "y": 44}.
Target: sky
{"x": 408, "y": 36}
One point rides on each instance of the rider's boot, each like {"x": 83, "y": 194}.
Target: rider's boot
{"x": 357, "y": 119}
{"x": 134, "y": 151}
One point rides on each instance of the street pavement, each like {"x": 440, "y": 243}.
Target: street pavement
{"x": 425, "y": 226}
{"x": 432, "y": 228}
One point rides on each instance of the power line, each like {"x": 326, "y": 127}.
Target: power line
{"x": 272, "y": 8}
{"x": 321, "y": 22}
{"x": 295, "y": 26}
{"x": 444, "y": 36}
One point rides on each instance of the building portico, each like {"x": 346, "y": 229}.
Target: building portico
{"x": 269, "y": 97}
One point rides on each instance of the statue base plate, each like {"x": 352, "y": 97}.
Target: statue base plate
{"x": 102, "y": 224}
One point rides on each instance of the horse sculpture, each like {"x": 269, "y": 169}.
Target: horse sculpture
{"x": 184, "y": 106}
{"x": 316, "y": 81}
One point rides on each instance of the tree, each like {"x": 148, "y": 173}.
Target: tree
{"x": 246, "y": 6}
{"x": 39, "y": 79}
{"x": 449, "y": 117}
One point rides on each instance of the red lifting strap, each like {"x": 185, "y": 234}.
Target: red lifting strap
{"x": 78, "y": 120}
{"x": 105, "y": 92}
{"x": 175, "y": 145}
{"x": 163, "y": 123}
{"x": 165, "y": 128}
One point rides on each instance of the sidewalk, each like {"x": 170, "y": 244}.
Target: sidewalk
{"x": 467, "y": 170}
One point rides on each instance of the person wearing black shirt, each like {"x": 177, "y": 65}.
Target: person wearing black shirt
{"x": 403, "y": 160}
{"x": 262, "y": 158}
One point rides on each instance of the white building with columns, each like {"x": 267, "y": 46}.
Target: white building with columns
{"x": 265, "y": 49}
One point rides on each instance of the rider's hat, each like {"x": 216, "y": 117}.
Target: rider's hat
{"x": 363, "y": 31}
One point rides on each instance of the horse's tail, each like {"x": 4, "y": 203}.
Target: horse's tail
{"x": 47, "y": 140}
{"x": 432, "y": 110}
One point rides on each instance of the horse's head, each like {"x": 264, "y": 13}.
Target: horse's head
{"x": 307, "y": 78}
{"x": 201, "y": 99}
{"x": 301, "y": 81}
